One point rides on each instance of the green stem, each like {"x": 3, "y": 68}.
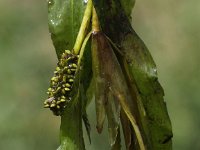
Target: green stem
{"x": 83, "y": 29}
{"x": 71, "y": 134}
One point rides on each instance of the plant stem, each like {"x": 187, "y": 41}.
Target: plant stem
{"x": 71, "y": 134}
{"x": 83, "y": 29}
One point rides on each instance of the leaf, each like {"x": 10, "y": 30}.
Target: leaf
{"x": 106, "y": 65}
{"x": 151, "y": 93}
{"x": 122, "y": 97}
{"x": 117, "y": 145}
{"x": 64, "y": 17}
{"x": 85, "y": 80}
{"x": 113, "y": 114}
{"x": 87, "y": 125}
{"x": 105, "y": 102}
{"x": 128, "y": 5}
{"x": 126, "y": 126}
{"x": 141, "y": 74}
{"x": 101, "y": 86}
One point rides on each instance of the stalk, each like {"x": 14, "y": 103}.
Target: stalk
{"x": 83, "y": 29}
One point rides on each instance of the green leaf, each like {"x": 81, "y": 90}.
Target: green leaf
{"x": 65, "y": 18}
{"x": 141, "y": 74}
{"x": 128, "y": 5}
{"x": 85, "y": 80}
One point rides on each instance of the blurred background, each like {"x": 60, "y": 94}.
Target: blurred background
{"x": 170, "y": 30}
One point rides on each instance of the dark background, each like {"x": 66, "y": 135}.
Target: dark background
{"x": 171, "y": 31}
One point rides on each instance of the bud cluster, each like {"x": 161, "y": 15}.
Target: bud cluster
{"x": 61, "y": 83}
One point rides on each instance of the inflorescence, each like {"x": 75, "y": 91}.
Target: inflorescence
{"x": 61, "y": 83}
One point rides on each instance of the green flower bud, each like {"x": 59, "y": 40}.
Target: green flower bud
{"x": 46, "y": 106}
{"x": 67, "y": 89}
{"x": 71, "y": 80}
{"x": 63, "y": 100}
{"x": 61, "y": 83}
{"x": 52, "y": 105}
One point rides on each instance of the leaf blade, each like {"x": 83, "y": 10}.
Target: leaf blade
{"x": 110, "y": 72}
{"x": 64, "y": 17}
{"x": 128, "y": 5}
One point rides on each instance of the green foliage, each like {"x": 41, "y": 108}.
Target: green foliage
{"x": 126, "y": 79}
{"x": 65, "y": 17}
{"x": 142, "y": 73}
{"x": 169, "y": 28}
{"x": 138, "y": 92}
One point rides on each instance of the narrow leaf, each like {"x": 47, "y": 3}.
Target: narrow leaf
{"x": 87, "y": 125}
{"x": 113, "y": 114}
{"x": 100, "y": 84}
{"x": 113, "y": 77}
{"x": 85, "y": 80}
{"x": 126, "y": 126}
{"x": 117, "y": 145}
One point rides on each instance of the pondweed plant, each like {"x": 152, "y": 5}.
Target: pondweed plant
{"x": 100, "y": 54}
